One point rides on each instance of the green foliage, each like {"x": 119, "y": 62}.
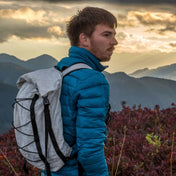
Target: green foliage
{"x": 154, "y": 140}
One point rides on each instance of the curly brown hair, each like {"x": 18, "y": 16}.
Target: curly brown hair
{"x": 85, "y": 22}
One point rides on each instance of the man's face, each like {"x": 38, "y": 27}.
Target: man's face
{"x": 102, "y": 42}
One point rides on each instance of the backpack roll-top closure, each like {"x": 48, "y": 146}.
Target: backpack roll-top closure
{"x": 45, "y": 80}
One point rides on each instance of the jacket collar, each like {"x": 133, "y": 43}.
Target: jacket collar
{"x": 77, "y": 54}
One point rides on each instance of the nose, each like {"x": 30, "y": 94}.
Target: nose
{"x": 114, "y": 41}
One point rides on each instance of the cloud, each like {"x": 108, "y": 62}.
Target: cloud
{"x": 21, "y": 29}
{"x": 133, "y": 43}
{"x": 165, "y": 21}
{"x": 154, "y": 18}
{"x": 27, "y": 23}
{"x": 25, "y": 13}
{"x": 124, "y": 21}
{"x": 118, "y": 1}
{"x": 48, "y": 21}
{"x": 173, "y": 44}
{"x": 158, "y": 22}
{"x": 104, "y": 1}
{"x": 25, "y": 30}
{"x": 136, "y": 42}
{"x": 121, "y": 36}
{"x": 56, "y": 31}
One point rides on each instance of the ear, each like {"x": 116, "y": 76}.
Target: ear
{"x": 83, "y": 40}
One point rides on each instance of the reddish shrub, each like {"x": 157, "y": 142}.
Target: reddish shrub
{"x": 10, "y": 154}
{"x": 149, "y": 144}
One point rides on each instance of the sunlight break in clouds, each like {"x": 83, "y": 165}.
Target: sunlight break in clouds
{"x": 56, "y": 31}
{"x": 137, "y": 27}
{"x": 38, "y": 27}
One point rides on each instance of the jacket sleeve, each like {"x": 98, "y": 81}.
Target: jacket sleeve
{"x": 92, "y": 107}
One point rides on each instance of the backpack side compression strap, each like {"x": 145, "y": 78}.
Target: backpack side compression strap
{"x": 50, "y": 130}
{"x": 36, "y": 135}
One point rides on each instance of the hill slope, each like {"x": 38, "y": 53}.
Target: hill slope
{"x": 7, "y": 95}
{"x": 146, "y": 91}
{"x": 43, "y": 61}
{"x": 9, "y": 73}
{"x": 167, "y": 72}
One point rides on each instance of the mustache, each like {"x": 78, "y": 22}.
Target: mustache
{"x": 111, "y": 49}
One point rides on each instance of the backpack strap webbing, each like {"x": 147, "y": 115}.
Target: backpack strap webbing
{"x": 36, "y": 135}
{"x": 50, "y": 130}
{"x": 74, "y": 67}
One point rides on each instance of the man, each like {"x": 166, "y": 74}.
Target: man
{"x": 85, "y": 92}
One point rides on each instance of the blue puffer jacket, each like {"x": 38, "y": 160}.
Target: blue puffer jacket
{"x": 84, "y": 99}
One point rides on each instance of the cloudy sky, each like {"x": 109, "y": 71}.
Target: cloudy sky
{"x": 146, "y": 31}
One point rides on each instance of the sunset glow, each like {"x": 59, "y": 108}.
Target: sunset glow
{"x": 146, "y": 33}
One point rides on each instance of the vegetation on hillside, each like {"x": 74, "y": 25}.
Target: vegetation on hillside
{"x": 140, "y": 142}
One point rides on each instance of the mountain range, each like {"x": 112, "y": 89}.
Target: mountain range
{"x": 146, "y": 91}
{"x": 167, "y": 72}
{"x": 43, "y": 61}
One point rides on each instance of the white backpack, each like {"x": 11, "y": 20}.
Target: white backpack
{"x": 37, "y": 118}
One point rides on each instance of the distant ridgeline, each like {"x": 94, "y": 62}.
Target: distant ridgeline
{"x": 10, "y": 69}
{"x": 147, "y": 91}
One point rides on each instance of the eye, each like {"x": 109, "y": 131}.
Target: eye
{"x": 106, "y": 34}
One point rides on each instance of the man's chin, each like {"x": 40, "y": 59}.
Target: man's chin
{"x": 105, "y": 60}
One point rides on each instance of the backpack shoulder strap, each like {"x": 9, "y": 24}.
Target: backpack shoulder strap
{"x": 75, "y": 67}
